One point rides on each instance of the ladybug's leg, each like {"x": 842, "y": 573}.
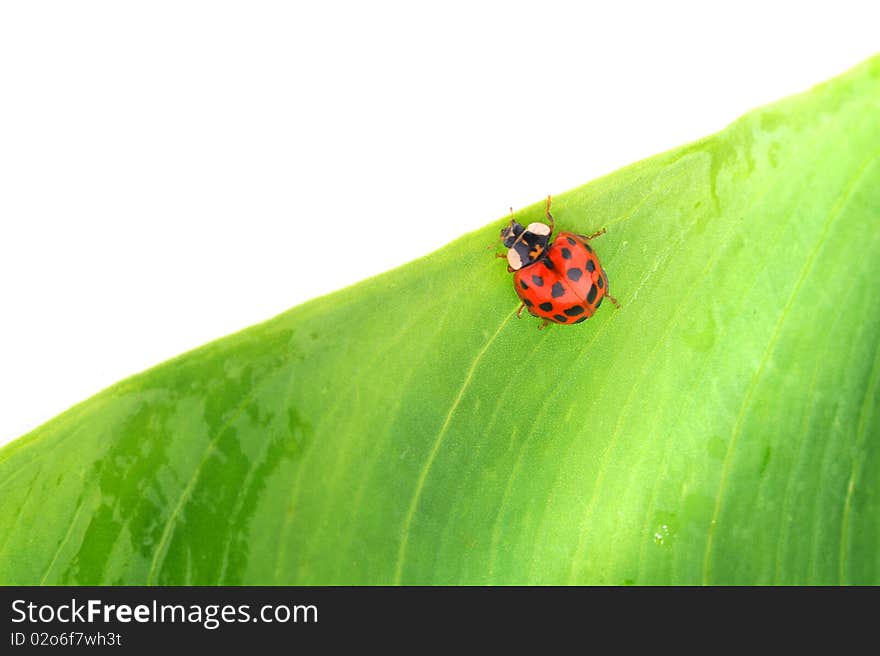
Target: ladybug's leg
{"x": 549, "y": 216}
{"x": 607, "y": 290}
{"x": 544, "y": 324}
{"x": 504, "y": 255}
{"x": 519, "y": 312}
{"x": 593, "y": 236}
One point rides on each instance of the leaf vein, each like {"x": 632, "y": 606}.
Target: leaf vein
{"x": 856, "y": 462}
{"x": 835, "y": 212}
{"x": 420, "y": 483}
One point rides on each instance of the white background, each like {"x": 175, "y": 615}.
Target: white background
{"x": 166, "y": 167}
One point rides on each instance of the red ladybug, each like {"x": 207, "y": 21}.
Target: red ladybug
{"x": 560, "y": 281}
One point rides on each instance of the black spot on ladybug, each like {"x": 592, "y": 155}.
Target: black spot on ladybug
{"x": 600, "y": 282}
{"x": 574, "y": 310}
{"x": 561, "y": 318}
{"x": 528, "y": 302}
{"x": 538, "y": 280}
{"x": 574, "y": 274}
{"x": 571, "y": 241}
{"x": 566, "y": 253}
{"x": 580, "y": 320}
{"x": 522, "y": 283}
{"x": 589, "y": 249}
{"x": 599, "y": 303}
{"x": 591, "y": 266}
{"x": 548, "y": 263}
{"x": 591, "y": 295}
{"x": 556, "y": 291}
{"x": 546, "y": 306}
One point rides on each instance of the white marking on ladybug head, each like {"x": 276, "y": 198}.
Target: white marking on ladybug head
{"x": 514, "y": 260}
{"x": 538, "y": 229}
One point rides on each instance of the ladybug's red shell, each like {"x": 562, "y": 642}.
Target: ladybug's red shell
{"x": 566, "y": 285}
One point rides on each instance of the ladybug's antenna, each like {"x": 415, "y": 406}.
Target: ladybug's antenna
{"x": 548, "y": 215}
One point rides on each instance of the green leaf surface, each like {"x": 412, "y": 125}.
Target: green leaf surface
{"x": 721, "y": 427}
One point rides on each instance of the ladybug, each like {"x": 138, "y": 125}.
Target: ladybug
{"x": 559, "y": 281}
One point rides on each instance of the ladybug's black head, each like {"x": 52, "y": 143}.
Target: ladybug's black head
{"x": 524, "y": 245}
{"x": 510, "y": 233}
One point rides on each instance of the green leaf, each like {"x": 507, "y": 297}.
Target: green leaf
{"x": 721, "y": 427}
